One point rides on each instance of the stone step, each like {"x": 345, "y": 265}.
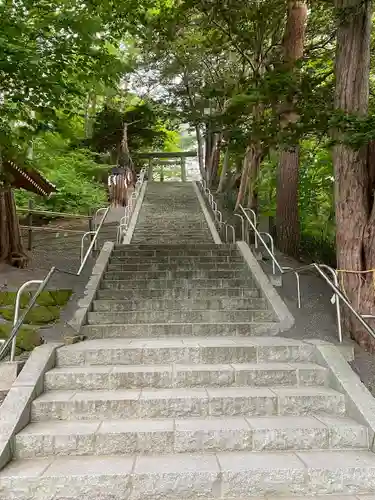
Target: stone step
{"x": 171, "y": 247}
{"x": 114, "y": 377}
{"x": 172, "y": 237}
{"x": 185, "y": 350}
{"x": 176, "y": 252}
{"x": 178, "y": 293}
{"x": 137, "y": 330}
{"x": 236, "y": 303}
{"x": 177, "y": 266}
{"x": 187, "y": 403}
{"x": 163, "y": 284}
{"x": 179, "y": 259}
{"x": 145, "y": 235}
{"x": 174, "y": 274}
{"x": 194, "y": 227}
{"x": 152, "y": 437}
{"x": 227, "y": 475}
{"x": 200, "y": 316}
{"x": 168, "y": 238}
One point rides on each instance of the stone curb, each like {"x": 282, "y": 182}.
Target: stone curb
{"x": 135, "y": 215}
{"x": 360, "y": 404}
{"x": 84, "y": 304}
{"x": 284, "y": 316}
{"x": 15, "y": 410}
{"x": 207, "y": 216}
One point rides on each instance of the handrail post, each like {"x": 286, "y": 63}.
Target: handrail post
{"x": 17, "y": 310}
{"x": 255, "y": 220}
{"x": 242, "y": 226}
{"x": 337, "y": 298}
{"x": 272, "y": 250}
{"x": 96, "y": 224}
{"x": 88, "y": 233}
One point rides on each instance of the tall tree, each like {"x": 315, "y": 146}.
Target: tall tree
{"x": 287, "y": 217}
{"x": 52, "y": 51}
{"x": 354, "y": 200}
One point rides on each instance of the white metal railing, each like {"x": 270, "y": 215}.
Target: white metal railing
{"x": 248, "y": 217}
{"x": 129, "y": 209}
{"x": 218, "y": 216}
{"x": 333, "y": 283}
{"x": 18, "y": 321}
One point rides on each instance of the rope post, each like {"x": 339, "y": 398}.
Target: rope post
{"x": 30, "y": 224}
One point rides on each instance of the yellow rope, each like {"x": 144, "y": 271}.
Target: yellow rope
{"x": 350, "y": 271}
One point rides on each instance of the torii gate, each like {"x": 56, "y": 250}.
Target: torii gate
{"x": 159, "y": 158}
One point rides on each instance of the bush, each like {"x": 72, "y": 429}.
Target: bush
{"x": 74, "y": 173}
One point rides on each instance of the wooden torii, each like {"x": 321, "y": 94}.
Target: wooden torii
{"x": 159, "y": 157}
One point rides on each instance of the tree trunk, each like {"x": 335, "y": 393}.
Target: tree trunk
{"x": 207, "y": 151}
{"x": 287, "y": 218}
{"x": 355, "y": 210}
{"x": 200, "y": 151}
{"x": 211, "y": 157}
{"x": 215, "y": 160}
{"x": 252, "y": 201}
{"x": 11, "y": 247}
{"x": 244, "y": 178}
{"x": 224, "y": 171}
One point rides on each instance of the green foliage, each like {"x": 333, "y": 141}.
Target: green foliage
{"x": 38, "y": 315}
{"x": 27, "y": 337}
{"x": 315, "y": 200}
{"x": 73, "y": 171}
{"x": 53, "y": 52}
{"x": 45, "y": 298}
{"x": 145, "y": 129}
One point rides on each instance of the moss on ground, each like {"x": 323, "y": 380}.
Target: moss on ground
{"x": 39, "y": 315}
{"x": 45, "y": 311}
{"x": 46, "y": 298}
{"x": 27, "y": 337}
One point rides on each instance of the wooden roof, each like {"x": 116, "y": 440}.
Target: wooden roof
{"x": 28, "y": 179}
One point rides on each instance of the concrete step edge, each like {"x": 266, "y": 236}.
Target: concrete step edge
{"x": 165, "y": 436}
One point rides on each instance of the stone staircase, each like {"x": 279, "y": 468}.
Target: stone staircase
{"x": 181, "y": 392}
{"x": 171, "y": 214}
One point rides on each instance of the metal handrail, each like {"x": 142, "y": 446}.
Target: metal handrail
{"x": 333, "y": 284}
{"x": 255, "y": 221}
{"x": 95, "y": 217}
{"x": 218, "y": 216}
{"x": 272, "y": 249}
{"x": 233, "y": 232}
{"x": 262, "y": 240}
{"x": 18, "y": 322}
{"x": 339, "y": 295}
{"x": 217, "y": 212}
{"x": 88, "y": 233}
{"x": 242, "y": 225}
